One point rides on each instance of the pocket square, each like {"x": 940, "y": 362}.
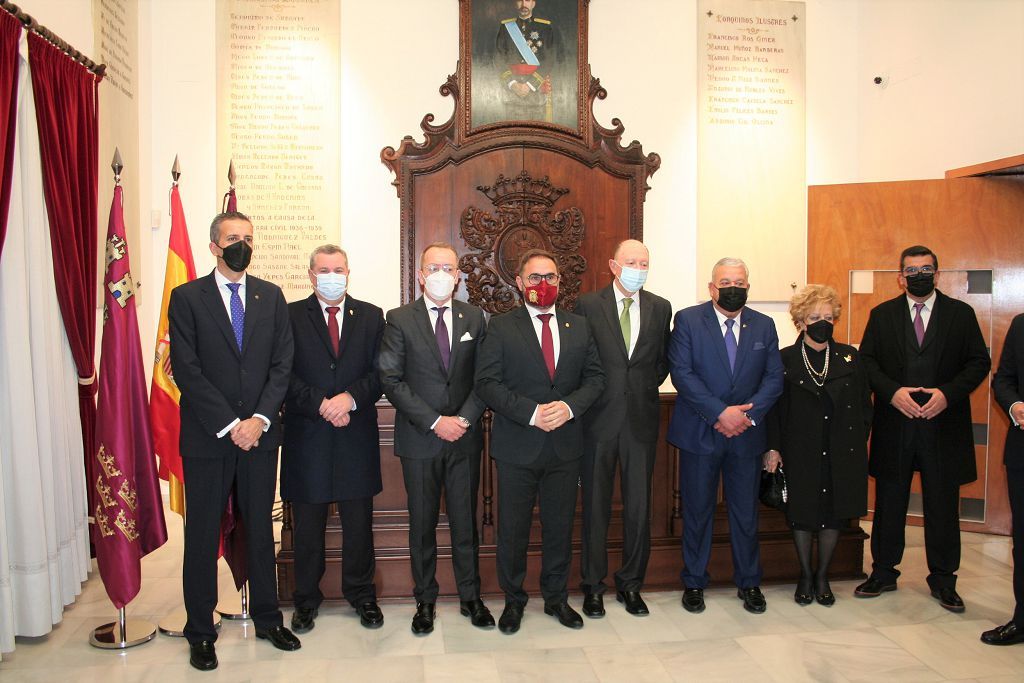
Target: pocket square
{"x": 466, "y": 337}
{"x": 758, "y": 346}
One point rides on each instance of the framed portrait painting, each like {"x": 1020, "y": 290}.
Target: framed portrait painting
{"x": 525, "y": 62}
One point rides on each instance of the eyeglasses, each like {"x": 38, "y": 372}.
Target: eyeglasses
{"x": 535, "y": 278}
{"x": 448, "y": 268}
{"x": 910, "y": 271}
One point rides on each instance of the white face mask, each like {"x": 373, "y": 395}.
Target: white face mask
{"x": 632, "y": 279}
{"x": 439, "y": 285}
{"x": 331, "y": 285}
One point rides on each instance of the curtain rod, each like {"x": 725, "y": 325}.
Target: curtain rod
{"x": 34, "y": 26}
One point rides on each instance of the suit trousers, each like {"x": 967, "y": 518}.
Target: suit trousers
{"x": 358, "y": 564}
{"x": 698, "y": 483}
{"x": 1015, "y": 487}
{"x": 635, "y": 462}
{"x": 209, "y": 481}
{"x": 458, "y": 474}
{"x": 556, "y": 483}
{"x": 940, "y": 496}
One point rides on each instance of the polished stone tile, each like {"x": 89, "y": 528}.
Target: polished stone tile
{"x": 550, "y": 666}
{"x": 954, "y": 651}
{"x": 471, "y": 666}
{"x": 709, "y": 660}
{"x": 627, "y": 663}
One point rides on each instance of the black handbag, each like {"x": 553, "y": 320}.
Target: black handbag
{"x": 773, "y": 489}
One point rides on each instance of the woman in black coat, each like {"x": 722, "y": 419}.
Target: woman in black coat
{"x": 819, "y": 428}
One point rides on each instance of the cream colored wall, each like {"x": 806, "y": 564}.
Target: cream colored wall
{"x": 954, "y": 96}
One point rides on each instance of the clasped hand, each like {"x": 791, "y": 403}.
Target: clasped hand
{"x": 734, "y": 421}
{"x": 246, "y": 434}
{"x": 551, "y": 416}
{"x": 448, "y": 428}
{"x": 336, "y": 409}
{"x": 905, "y": 403}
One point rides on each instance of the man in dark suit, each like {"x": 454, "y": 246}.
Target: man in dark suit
{"x": 331, "y": 448}
{"x": 924, "y": 354}
{"x": 631, "y": 328}
{"x": 725, "y": 365}
{"x": 231, "y": 353}
{"x": 1008, "y": 386}
{"x": 427, "y": 361}
{"x": 539, "y": 370}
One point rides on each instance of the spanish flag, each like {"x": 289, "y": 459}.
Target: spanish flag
{"x": 164, "y": 394}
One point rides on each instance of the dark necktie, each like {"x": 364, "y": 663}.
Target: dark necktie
{"x": 919, "y": 324}
{"x": 237, "y": 313}
{"x": 441, "y": 332}
{"x": 547, "y": 342}
{"x": 332, "y": 328}
{"x": 730, "y": 342}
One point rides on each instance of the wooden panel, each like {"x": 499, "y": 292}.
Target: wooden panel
{"x": 391, "y": 534}
{"x": 971, "y": 224}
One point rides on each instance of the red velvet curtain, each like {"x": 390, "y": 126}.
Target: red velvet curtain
{"x": 67, "y": 111}
{"x": 10, "y": 33}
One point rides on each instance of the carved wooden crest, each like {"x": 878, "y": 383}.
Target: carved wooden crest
{"x": 525, "y": 219}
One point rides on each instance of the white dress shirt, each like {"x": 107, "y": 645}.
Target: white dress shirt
{"x": 926, "y": 312}
{"x": 538, "y": 327}
{"x": 634, "y": 316}
{"x": 735, "y": 328}
{"x": 225, "y": 295}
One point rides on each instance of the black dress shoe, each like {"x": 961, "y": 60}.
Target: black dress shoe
{"x": 802, "y": 595}
{"x": 593, "y": 605}
{"x": 1007, "y": 634}
{"x": 635, "y": 605}
{"x": 370, "y": 615}
{"x": 511, "y": 617}
{"x": 203, "y": 655}
{"x": 753, "y": 600}
{"x": 423, "y": 621}
{"x": 303, "y": 619}
{"x": 279, "y": 637}
{"x": 567, "y": 616}
{"x": 477, "y": 612}
{"x": 693, "y": 600}
{"x": 872, "y": 588}
{"x": 948, "y": 598}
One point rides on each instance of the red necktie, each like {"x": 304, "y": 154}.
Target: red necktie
{"x": 547, "y": 342}
{"x": 332, "y": 328}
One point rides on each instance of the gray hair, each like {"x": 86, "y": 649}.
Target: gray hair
{"x": 327, "y": 249}
{"x": 226, "y": 216}
{"x": 729, "y": 262}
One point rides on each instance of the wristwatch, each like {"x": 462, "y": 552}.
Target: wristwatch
{"x": 463, "y": 421}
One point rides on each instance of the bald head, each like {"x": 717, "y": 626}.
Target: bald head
{"x": 633, "y": 256}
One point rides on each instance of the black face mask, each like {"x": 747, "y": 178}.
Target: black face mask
{"x": 820, "y": 331}
{"x": 237, "y": 256}
{"x": 921, "y": 284}
{"x": 732, "y": 299}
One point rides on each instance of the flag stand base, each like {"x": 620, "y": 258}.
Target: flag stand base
{"x": 122, "y": 634}
{"x": 238, "y": 610}
{"x": 174, "y": 623}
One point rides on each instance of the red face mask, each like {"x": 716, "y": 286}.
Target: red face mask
{"x": 542, "y": 295}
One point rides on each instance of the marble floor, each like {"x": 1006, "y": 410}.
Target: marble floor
{"x": 901, "y": 636}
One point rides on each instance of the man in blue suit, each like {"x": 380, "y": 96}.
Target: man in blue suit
{"x": 726, "y": 368}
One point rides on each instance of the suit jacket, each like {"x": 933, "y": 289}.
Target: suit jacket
{"x": 963, "y": 362}
{"x": 512, "y": 378}
{"x": 705, "y": 386}
{"x": 1008, "y": 386}
{"x": 321, "y": 463}
{"x": 419, "y": 387}
{"x": 631, "y": 383}
{"x": 218, "y": 382}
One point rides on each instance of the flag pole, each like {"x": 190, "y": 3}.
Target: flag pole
{"x": 123, "y": 633}
{"x": 173, "y": 624}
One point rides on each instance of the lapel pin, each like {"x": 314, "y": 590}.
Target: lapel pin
{"x": 351, "y": 311}
{"x": 744, "y": 326}
{"x": 848, "y": 358}
{"x": 256, "y": 296}
{"x": 460, "y": 315}
{"x": 567, "y": 325}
